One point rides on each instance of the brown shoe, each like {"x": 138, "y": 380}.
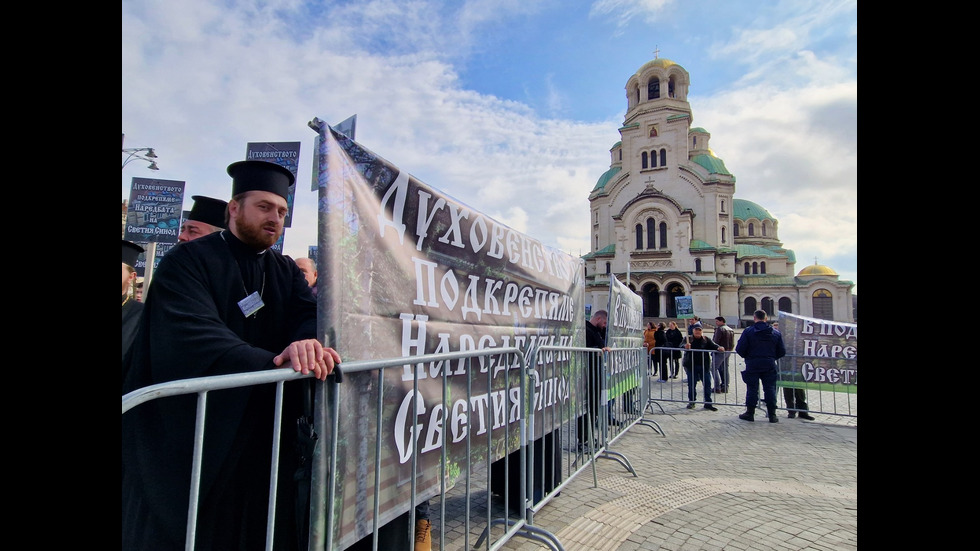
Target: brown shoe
{"x": 423, "y": 535}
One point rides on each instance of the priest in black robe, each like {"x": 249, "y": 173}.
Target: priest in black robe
{"x": 224, "y": 303}
{"x": 131, "y": 308}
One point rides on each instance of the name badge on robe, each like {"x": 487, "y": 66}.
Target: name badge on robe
{"x": 251, "y": 304}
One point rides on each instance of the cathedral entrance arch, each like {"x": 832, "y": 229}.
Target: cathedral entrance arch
{"x": 651, "y": 300}
{"x": 673, "y": 290}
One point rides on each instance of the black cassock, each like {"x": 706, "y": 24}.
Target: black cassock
{"x": 192, "y": 326}
{"x": 131, "y": 310}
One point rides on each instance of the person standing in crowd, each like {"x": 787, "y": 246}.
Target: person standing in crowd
{"x": 308, "y": 267}
{"x": 653, "y": 356}
{"x": 139, "y": 290}
{"x": 206, "y": 217}
{"x": 674, "y": 340}
{"x": 660, "y": 339}
{"x": 690, "y": 325}
{"x": 761, "y": 346}
{"x": 795, "y": 399}
{"x": 131, "y": 308}
{"x": 595, "y": 337}
{"x": 698, "y": 366}
{"x": 221, "y": 304}
{"x": 725, "y": 337}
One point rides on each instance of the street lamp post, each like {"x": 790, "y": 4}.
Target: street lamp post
{"x": 144, "y": 154}
{"x": 148, "y": 156}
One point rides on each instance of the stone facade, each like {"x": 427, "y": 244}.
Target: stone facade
{"x": 664, "y": 219}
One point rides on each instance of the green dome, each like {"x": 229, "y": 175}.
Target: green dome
{"x": 712, "y": 164}
{"x": 698, "y": 130}
{"x": 743, "y": 251}
{"x": 745, "y": 210}
{"x": 606, "y": 176}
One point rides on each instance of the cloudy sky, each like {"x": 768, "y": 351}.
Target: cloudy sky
{"x": 509, "y": 106}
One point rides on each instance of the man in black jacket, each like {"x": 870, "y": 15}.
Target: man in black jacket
{"x": 595, "y": 337}
{"x": 698, "y": 366}
{"x": 761, "y": 346}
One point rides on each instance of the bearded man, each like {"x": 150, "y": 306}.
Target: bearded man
{"x": 223, "y": 303}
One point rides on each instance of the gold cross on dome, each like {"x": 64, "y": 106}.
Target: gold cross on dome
{"x": 656, "y": 53}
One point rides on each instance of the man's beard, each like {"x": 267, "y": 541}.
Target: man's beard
{"x": 252, "y": 234}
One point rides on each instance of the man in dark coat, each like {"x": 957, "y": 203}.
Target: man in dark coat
{"x": 595, "y": 337}
{"x": 131, "y": 308}
{"x": 224, "y": 303}
{"x": 761, "y": 346}
{"x": 698, "y": 366}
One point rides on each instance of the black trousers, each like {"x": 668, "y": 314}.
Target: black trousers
{"x": 795, "y": 398}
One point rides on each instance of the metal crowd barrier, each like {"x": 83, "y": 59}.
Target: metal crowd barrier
{"x": 555, "y": 383}
{"x": 825, "y": 400}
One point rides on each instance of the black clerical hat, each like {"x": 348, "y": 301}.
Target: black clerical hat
{"x": 260, "y": 176}
{"x": 208, "y": 210}
{"x": 131, "y": 252}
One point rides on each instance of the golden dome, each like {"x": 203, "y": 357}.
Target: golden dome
{"x": 816, "y": 270}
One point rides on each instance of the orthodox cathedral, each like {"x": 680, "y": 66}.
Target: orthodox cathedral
{"x": 665, "y": 221}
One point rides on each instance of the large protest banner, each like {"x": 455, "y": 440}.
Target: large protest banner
{"x": 820, "y": 354}
{"x": 405, "y": 270}
{"x": 624, "y": 329}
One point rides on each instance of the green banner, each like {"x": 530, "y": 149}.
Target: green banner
{"x": 820, "y": 354}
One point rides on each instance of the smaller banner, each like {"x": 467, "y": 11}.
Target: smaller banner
{"x": 162, "y": 250}
{"x": 154, "y": 211}
{"x": 624, "y": 329}
{"x": 685, "y": 307}
{"x": 282, "y": 153}
{"x": 820, "y": 354}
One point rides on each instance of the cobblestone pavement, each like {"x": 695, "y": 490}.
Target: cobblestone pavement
{"x": 711, "y": 482}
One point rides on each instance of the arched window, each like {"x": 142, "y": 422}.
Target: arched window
{"x": 608, "y": 268}
{"x": 747, "y": 268}
{"x": 670, "y": 87}
{"x": 749, "y": 306}
{"x": 697, "y": 264}
{"x": 620, "y": 154}
{"x": 722, "y": 205}
{"x": 653, "y": 89}
{"x": 695, "y": 143}
{"x": 751, "y": 229}
{"x": 755, "y": 268}
{"x": 735, "y": 229}
{"x": 763, "y": 229}
{"x": 762, "y": 267}
{"x": 639, "y": 236}
{"x": 651, "y": 233}
{"x": 597, "y": 242}
{"x": 823, "y": 304}
{"x": 786, "y": 305}
{"x": 663, "y": 157}
{"x": 767, "y": 306}
{"x": 723, "y": 234}
{"x": 663, "y": 235}
{"x": 653, "y": 159}
{"x": 644, "y": 157}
